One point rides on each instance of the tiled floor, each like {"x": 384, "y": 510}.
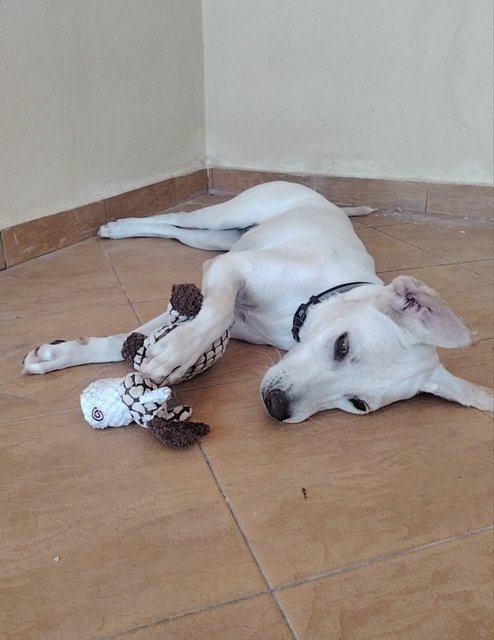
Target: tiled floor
{"x": 345, "y": 527}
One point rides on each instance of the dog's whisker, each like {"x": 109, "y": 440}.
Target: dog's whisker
{"x": 267, "y": 356}
{"x": 260, "y": 371}
{"x": 279, "y": 354}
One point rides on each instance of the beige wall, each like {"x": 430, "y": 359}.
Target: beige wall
{"x": 377, "y": 88}
{"x": 97, "y": 97}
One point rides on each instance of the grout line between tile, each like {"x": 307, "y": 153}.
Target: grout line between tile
{"x": 182, "y": 614}
{"x": 476, "y": 260}
{"x": 213, "y": 385}
{"x": 119, "y": 281}
{"x": 425, "y": 266}
{"x": 247, "y": 543}
{"x": 416, "y": 246}
{"x": 37, "y": 313}
{"x": 284, "y": 615}
{"x": 382, "y": 558}
{"x": 37, "y": 415}
{"x": 463, "y": 265}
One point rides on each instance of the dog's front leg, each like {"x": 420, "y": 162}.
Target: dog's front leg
{"x": 168, "y": 359}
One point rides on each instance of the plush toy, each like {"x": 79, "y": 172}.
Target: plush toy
{"x": 116, "y": 402}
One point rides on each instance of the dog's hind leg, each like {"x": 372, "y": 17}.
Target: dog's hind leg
{"x": 221, "y": 240}
{"x": 256, "y": 205}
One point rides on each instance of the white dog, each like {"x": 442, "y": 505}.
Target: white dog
{"x": 357, "y": 347}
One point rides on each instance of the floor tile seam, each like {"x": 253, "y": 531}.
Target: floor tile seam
{"x": 38, "y": 313}
{"x": 158, "y": 299}
{"x": 385, "y": 557}
{"x": 423, "y": 266}
{"x": 284, "y": 614}
{"x": 463, "y": 266}
{"x": 246, "y": 540}
{"x": 37, "y": 415}
{"x": 428, "y": 217}
{"x": 115, "y": 273}
{"x": 389, "y": 224}
{"x": 76, "y": 407}
{"x": 417, "y": 246}
{"x": 139, "y": 320}
{"x": 476, "y": 260}
{"x": 408, "y": 269}
{"x": 183, "y": 614}
{"x": 214, "y": 385}
{"x": 395, "y": 222}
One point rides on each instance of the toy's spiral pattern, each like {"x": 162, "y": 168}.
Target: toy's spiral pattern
{"x": 97, "y": 414}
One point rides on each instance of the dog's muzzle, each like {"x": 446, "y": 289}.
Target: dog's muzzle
{"x": 278, "y": 404}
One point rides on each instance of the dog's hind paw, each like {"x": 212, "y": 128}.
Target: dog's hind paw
{"x": 114, "y": 230}
{"x": 43, "y": 359}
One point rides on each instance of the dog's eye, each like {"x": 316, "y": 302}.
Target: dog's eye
{"x": 341, "y": 347}
{"x": 359, "y": 404}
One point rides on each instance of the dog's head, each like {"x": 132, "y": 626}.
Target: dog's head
{"x": 367, "y": 348}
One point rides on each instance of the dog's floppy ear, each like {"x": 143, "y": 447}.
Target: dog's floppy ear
{"x": 418, "y": 309}
{"x": 445, "y": 384}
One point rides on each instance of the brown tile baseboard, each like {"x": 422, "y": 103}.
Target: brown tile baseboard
{"x": 35, "y": 238}
{"x": 458, "y": 199}
{"x": 421, "y": 197}
{"x": 233, "y": 181}
{"x": 384, "y": 194}
{"x": 44, "y": 235}
{"x": 191, "y": 185}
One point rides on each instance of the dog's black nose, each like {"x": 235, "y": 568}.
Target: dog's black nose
{"x": 278, "y": 404}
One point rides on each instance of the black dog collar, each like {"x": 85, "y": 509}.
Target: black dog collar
{"x": 301, "y": 313}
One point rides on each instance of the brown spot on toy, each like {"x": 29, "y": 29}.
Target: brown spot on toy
{"x": 82, "y": 340}
{"x": 186, "y": 299}
{"x": 131, "y": 346}
{"x": 304, "y": 493}
{"x": 177, "y": 434}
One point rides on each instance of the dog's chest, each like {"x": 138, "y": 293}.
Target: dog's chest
{"x": 268, "y": 321}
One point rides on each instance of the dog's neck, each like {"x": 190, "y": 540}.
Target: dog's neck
{"x": 301, "y": 313}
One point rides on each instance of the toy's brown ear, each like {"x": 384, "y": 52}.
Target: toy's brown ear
{"x": 186, "y": 299}
{"x": 131, "y": 346}
{"x": 177, "y": 434}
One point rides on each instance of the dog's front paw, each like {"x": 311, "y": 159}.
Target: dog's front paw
{"x": 45, "y": 358}
{"x": 168, "y": 360}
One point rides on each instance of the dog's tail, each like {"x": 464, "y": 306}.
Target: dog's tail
{"x": 358, "y": 211}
